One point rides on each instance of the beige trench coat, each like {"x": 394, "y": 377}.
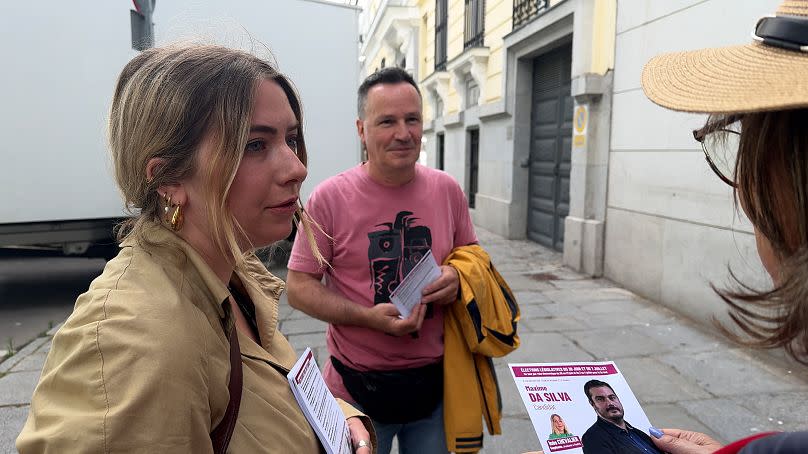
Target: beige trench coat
{"x": 142, "y": 363}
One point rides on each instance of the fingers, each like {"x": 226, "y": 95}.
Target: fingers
{"x": 360, "y": 438}
{"x": 695, "y": 437}
{"x": 386, "y": 319}
{"x": 677, "y": 441}
{"x": 420, "y": 314}
{"x": 444, "y": 289}
{"x": 411, "y": 323}
{"x": 443, "y": 295}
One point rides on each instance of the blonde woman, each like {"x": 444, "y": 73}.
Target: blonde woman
{"x": 756, "y": 141}
{"x": 559, "y": 428}
{"x": 209, "y": 154}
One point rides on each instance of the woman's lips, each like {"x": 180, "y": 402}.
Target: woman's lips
{"x": 287, "y": 207}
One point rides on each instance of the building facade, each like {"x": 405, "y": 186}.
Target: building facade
{"x": 536, "y": 108}
{"x": 517, "y": 96}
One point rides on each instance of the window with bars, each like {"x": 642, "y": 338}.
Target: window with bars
{"x": 474, "y": 30}
{"x": 441, "y": 20}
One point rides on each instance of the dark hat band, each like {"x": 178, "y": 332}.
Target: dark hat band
{"x": 787, "y": 32}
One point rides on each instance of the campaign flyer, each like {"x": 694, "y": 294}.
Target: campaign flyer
{"x": 576, "y": 404}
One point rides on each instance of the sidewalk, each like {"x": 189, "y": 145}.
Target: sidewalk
{"x": 683, "y": 376}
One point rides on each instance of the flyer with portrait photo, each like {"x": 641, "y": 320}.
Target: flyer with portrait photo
{"x": 585, "y": 408}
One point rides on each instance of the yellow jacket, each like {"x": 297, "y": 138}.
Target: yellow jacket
{"x": 479, "y": 326}
{"x": 142, "y": 363}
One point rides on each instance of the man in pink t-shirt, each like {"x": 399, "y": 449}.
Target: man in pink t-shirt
{"x": 379, "y": 218}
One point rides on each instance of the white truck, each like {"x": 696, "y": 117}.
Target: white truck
{"x": 60, "y": 62}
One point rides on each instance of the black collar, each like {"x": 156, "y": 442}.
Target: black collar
{"x": 612, "y": 427}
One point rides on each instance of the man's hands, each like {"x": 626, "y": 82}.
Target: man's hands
{"x": 359, "y": 433}
{"x": 677, "y": 441}
{"x": 444, "y": 289}
{"x": 384, "y": 317}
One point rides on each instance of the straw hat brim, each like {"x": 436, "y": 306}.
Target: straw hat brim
{"x": 750, "y": 78}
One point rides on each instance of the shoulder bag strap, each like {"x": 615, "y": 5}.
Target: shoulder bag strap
{"x": 224, "y": 430}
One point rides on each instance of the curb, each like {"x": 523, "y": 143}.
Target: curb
{"x": 27, "y": 350}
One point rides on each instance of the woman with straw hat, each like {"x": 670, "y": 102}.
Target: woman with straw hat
{"x": 756, "y": 140}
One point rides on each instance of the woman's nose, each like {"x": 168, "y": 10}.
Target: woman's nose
{"x": 295, "y": 172}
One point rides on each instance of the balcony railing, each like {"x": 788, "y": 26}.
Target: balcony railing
{"x": 526, "y": 10}
{"x": 474, "y": 31}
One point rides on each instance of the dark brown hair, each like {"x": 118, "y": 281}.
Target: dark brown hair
{"x": 771, "y": 174}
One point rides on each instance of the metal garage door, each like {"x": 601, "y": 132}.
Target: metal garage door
{"x": 550, "y": 147}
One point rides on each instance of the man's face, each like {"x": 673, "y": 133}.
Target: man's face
{"x": 606, "y": 404}
{"x": 392, "y": 128}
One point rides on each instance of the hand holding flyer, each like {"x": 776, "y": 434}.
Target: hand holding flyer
{"x": 583, "y": 408}
{"x": 319, "y": 405}
{"x": 408, "y": 293}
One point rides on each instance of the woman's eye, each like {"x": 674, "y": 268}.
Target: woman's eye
{"x": 292, "y": 143}
{"x": 255, "y": 146}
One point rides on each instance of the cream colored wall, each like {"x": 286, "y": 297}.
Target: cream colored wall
{"x": 373, "y": 62}
{"x": 498, "y": 23}
{"x": 376, "y": 60}
{"x": 603, "y": 36}
{"x": 426, "y": 43}
{"x": 454, "y": 46}
{"x": 426, "y": 47}
{"x": 372, "y": 8}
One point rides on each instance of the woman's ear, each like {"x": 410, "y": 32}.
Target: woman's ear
{"x": 152, "y": 166}
{"x": 175, "y": 191}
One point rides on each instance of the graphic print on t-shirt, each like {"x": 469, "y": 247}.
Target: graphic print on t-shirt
{"x": 394, "y": 251}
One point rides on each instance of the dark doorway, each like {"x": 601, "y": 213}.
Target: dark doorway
{"x": 439, "y": 148}
{"x": 474, "y": 164}
{"x": 550, "y": 148}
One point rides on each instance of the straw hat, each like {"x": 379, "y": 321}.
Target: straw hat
{"x": 767, "y": 74}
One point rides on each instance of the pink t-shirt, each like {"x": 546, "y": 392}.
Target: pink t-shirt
{"x": 379, "y": 233}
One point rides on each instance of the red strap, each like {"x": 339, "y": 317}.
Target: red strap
{"x": 220, "y": 437}
{"x": 736, "y": 446}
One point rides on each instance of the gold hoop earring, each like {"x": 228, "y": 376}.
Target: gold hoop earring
{"x": 177, "y": 219}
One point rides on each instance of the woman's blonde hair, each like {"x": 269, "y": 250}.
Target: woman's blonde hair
{"x": 167, "y": 101}
{"x": 771, "y": 174}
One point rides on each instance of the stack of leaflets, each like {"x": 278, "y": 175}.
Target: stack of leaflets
{"x": 561, "y": 412}
{"x": 319, "y": 405}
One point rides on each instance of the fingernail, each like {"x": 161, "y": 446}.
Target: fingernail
{"x": 655, "y": 432}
